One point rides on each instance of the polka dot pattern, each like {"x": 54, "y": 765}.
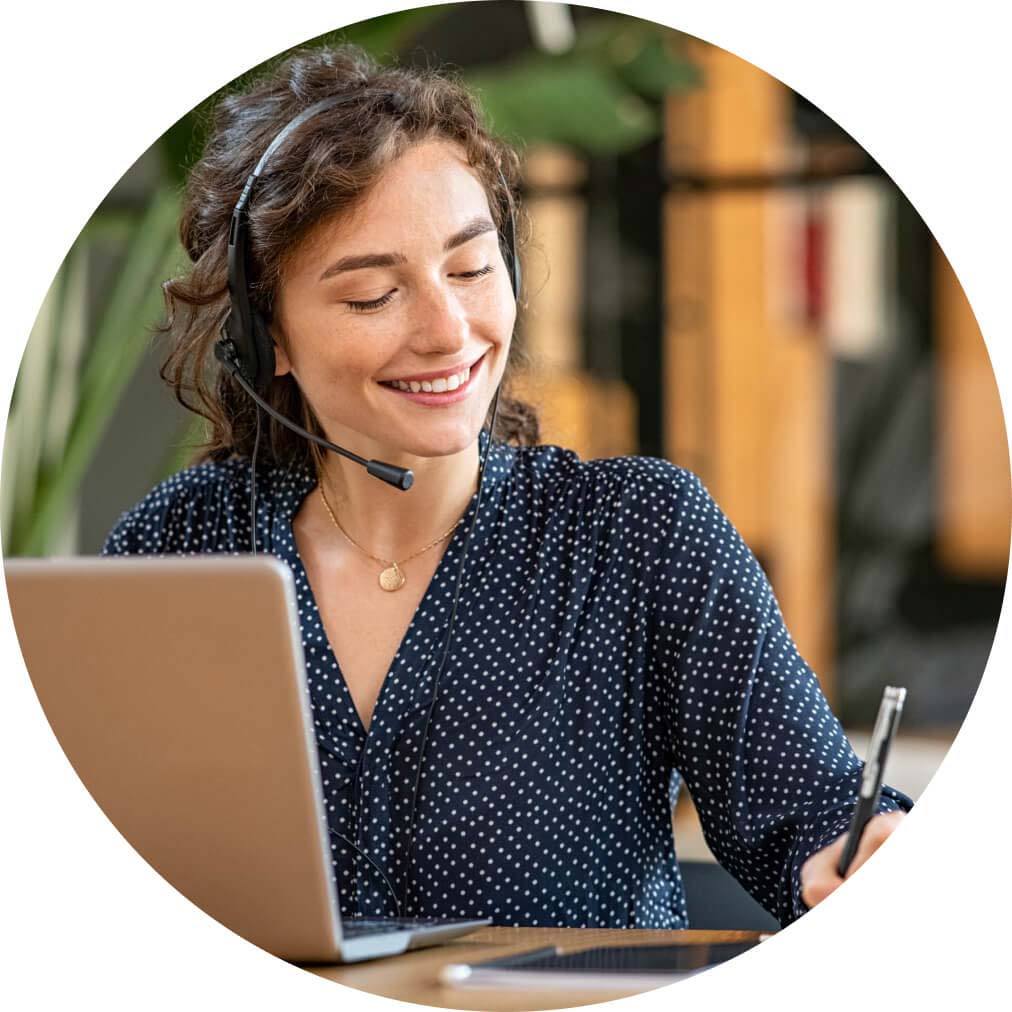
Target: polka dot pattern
{"x": 614, "y": 638}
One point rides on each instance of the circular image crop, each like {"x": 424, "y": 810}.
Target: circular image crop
{"x": 504, "y": 476}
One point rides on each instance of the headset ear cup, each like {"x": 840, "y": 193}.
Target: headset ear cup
{"x": 263, "y": 349}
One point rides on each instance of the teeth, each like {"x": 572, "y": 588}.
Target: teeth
{"x": 438, "y": 386}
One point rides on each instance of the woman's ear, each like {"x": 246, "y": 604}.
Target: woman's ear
{"x": 282, "y": 364}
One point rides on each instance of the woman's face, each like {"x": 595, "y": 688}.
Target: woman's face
{"x": 405, "y": 292}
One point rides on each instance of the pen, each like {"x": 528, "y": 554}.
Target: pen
{"x": 871, "y": 781}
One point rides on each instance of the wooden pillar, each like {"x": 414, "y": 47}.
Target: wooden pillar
{"x": 747, "y": 394}
{"x": 973, "y": 471}
{"x": 593, "y": 416}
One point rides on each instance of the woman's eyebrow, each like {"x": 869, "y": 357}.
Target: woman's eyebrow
{"x": 357, "y": 262}
{"x": 475, "y": 227}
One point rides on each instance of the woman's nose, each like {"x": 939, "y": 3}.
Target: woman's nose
{"x": 442, "y": 323}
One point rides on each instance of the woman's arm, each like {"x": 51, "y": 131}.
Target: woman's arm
{"x": 772, "y": 774}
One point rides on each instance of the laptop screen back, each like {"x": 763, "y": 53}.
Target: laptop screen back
{"x": 176, "y": 688}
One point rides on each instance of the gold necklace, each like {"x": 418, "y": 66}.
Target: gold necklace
{"x": 392, "y": 578}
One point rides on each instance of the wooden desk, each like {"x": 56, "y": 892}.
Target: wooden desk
{"x": 414, "y": 976}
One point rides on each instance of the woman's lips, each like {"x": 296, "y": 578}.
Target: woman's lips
{"x": 443, "y": 400}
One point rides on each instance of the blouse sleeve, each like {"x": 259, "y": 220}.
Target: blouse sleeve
{"x": 194, "y": 511}
{"x": 138, "y": 531}
{"x": 771, "y": 772}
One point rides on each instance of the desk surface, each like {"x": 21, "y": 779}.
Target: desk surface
{"x": 414, "y": 976}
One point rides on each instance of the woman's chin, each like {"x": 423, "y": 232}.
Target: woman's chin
{"x": 439, "y": 447}
{"x": 426, "y": 441}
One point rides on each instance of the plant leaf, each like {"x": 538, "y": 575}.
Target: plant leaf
{"x": 572, "y": 102}
{"x": 119, "y": 345}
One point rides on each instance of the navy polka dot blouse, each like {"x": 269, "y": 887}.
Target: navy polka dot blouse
{"x": 614, "y": 637}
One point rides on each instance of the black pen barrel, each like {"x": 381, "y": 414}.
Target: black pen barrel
{"x": 862, "y": 813}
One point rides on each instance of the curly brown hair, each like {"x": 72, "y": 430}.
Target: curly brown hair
{"x": 322, "y": 169}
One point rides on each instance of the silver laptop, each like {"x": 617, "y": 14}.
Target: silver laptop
{"x": 177, "y": 689}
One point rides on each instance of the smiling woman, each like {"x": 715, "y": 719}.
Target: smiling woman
{"x": 317, "y": 179}
{"x": 614, "y": 634}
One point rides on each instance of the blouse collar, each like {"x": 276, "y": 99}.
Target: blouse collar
{"x": 290, "y": 486}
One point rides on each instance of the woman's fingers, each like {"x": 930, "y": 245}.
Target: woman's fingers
{"x": 818, "y": 873}
{"x": 878, "y": 830}
{"x": 819, "y": 876}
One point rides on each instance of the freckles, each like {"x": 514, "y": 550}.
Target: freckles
{"x": 498, "y": 312}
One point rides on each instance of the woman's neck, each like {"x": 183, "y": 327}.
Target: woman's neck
{"x": 390, "y": 523}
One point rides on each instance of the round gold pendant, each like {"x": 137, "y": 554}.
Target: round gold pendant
{"x": 392, "y": 578}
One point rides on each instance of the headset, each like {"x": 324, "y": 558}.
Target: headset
{"x": 245, "y": 349}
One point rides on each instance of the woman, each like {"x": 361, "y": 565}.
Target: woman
{"x": 609, "y": 632}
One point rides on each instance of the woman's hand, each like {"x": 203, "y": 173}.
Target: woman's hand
{"x": 818, "y": 873}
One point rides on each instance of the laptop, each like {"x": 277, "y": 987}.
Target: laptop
{"x": 139, "y": 664}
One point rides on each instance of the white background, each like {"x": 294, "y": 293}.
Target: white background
{"x": 88, "y": 87}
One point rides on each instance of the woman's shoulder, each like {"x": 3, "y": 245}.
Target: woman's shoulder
{"x": 622, "y": 512}
{"x": 561, "y": 473}
{"x": 203, "y": 508}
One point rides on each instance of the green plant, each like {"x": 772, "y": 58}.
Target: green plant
{"x": 68, "y": 386}
{"x": 601, "y": 97}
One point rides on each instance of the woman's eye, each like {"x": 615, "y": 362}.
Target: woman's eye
{"x": 372, "y": 304}
{"x": 364, "y": 307}
{"x": 476, "y": 274}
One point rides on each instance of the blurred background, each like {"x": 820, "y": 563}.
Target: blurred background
{"x": 719, "y": 275}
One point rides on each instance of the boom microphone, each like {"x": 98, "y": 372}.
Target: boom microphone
{"x": 399, "y": 477}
